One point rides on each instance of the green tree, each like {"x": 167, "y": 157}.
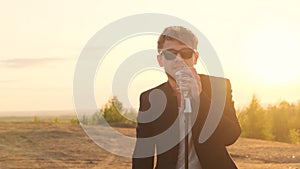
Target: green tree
{"x": 131, "y": 114}
{"x": 96, "y": 118}
{"x": 254, "y": 121}
{"x": 280, "y": 122}
{"x": 113, "y": 110}
{"x": 296, "y": 122}
{"x": 56, "y": 120}
{"x": 85, "y": 119}
{"x": 74, "y": 120}
{"x": 36, "y": 119}
{"x": 294, "y": 136}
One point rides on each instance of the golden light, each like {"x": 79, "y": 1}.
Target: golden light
{"x": 271, "y": 51}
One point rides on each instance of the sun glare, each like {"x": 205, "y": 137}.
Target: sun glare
{"x": 271, "y": 52}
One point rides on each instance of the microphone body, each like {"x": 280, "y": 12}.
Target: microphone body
{"x": 185, "y": 93}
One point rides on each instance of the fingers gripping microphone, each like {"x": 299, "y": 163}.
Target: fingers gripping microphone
{"x": 187, "y": 102}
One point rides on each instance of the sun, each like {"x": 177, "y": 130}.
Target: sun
{"x": 271, "y": 52}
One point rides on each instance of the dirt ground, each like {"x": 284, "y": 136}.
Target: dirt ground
{"x": 63, "y": 145}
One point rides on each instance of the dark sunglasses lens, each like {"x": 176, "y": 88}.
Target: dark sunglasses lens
{"x": 169, "y": 55}
{"x": 186, "y": 53}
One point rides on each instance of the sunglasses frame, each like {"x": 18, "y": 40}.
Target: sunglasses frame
{"x": 175, "y": 54}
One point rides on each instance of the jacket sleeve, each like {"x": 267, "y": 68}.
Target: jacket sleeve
{"x": 228, "y": 130}
{"x": 143, "y": 148}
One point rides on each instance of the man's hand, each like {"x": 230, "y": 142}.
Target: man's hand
{"x": 189, "y": 81}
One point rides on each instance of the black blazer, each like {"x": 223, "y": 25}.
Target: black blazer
{"x": 212, "y": 153}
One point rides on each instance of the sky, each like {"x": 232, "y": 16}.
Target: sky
{"x": 257, "y": 43}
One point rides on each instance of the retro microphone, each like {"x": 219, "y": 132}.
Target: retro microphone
{"x": 187, "y": 102}
{"x": 187, "y": 110}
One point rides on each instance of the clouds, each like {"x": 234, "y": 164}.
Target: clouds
{"x": 29, "y": 62}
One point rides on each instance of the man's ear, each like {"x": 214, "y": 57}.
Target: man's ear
{"x": 196, "y": 56}
{"x": 160, "y": 60}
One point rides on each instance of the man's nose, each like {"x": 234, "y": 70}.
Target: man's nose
{"x": 178, "y": 58}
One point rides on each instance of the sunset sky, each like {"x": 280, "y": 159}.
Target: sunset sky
{"x": 258, "y": 44}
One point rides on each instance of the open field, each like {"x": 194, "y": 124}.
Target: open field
{"x": 65, "y": 145}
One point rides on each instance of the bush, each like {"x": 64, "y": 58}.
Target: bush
{"x": 112, "y": 112}
{"x": 294, "y": 136}
{"x": 74, "y": 121}
{"x": 56, "y": 120}
{"x": 36, "y": 119}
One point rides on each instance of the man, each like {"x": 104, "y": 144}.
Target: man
{"x": 161, "y": 118}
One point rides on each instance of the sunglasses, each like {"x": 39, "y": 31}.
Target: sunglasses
{"x": 170, "y": 54}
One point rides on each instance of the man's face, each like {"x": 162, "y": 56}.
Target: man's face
{"x": 171, "y": 66}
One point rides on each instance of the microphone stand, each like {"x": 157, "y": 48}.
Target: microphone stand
{"x": 187, "y": 112}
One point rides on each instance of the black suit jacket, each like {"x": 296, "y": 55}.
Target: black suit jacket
{"x": 212, "y": 153}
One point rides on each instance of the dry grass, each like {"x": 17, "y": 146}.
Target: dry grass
{"x": 64, "y": 145}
